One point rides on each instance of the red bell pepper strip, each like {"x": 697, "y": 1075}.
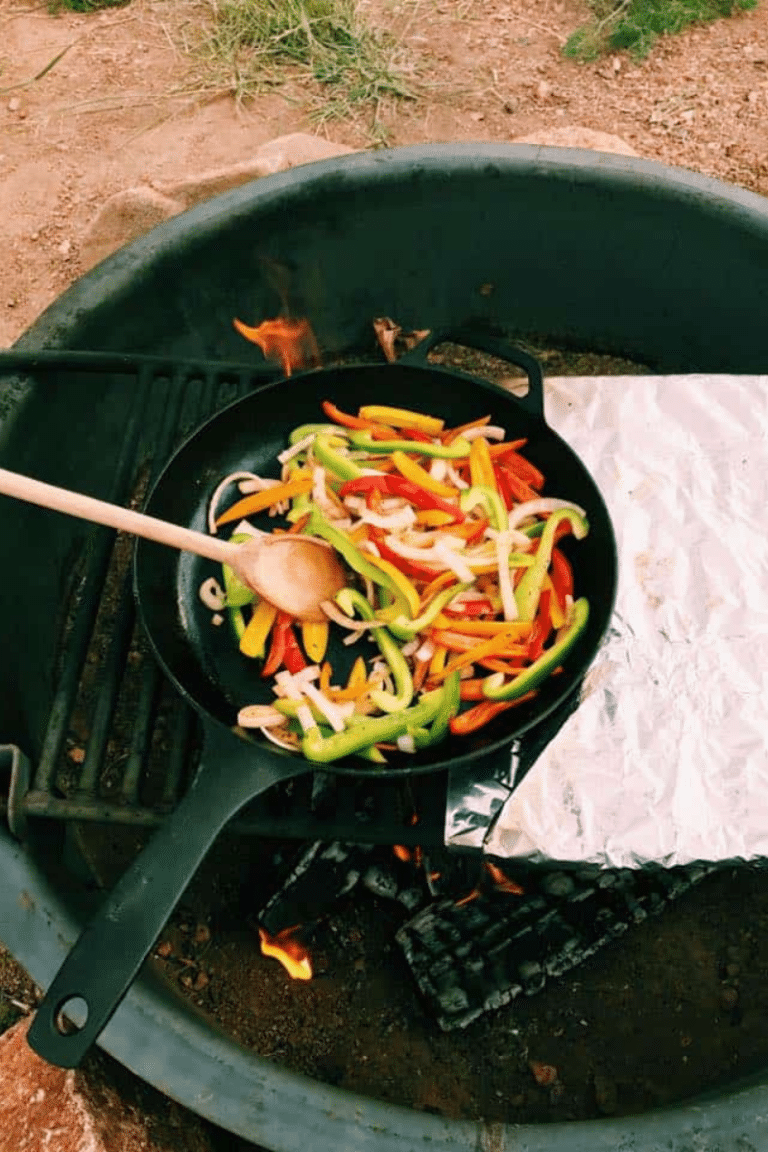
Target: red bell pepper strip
{"x": 523, "y": 469}
{"x": 561, "y": 575}
{"x": 469, "y": 608}
{"x": 284, "y": 649}
{"x": 520, "y": 490}
{"x": 395, "y": 485}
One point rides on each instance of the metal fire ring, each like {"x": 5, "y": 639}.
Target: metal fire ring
{"x": 676, "y": 265}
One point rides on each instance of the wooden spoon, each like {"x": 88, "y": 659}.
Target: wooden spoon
{"x": 295, "y": 573}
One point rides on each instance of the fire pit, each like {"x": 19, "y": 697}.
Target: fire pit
{"x": 601, "y": 253}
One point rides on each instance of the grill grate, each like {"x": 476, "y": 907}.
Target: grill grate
{"x": 120, "y": 745}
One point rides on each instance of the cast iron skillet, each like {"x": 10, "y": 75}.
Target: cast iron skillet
{"x": 206, "y": 667}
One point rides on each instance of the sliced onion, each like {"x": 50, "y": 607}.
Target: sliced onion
{"x": 394, "y": 521}
{"x": 213, "y": 595}
{"x": 438, "y": 469}
{"x": 319, "y": 495}
{"x": 487, "y": 431}
{"x": 333, "y": 612}
{"x": 232, "y": 478}
{"x": 411, "y": 647}
{"x": 257, "y": 484}
{"x": 283, "y": 743}
{"x": 540, "y": 507}
{"x": 295, "y": 449}
{"x": 406, "y": 743}
{"x": 259, "y": 716}
{"x": 331, "y": 711}
{"x": 425, "y": 652}
{"x": 453, "y": 477}
{"x": 217, "y": 619}
{"x": 458, "y": 566}
{"x": 508, "y": 604}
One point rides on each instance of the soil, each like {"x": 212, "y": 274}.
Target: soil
{"x": 679, "y": 1003}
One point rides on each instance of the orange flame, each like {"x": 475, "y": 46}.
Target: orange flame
{"x": 502, "y": 882}
{"x": 473, "y": 895}
{"x": 293, "y": 956}
{"x": 291, "y": 342}
{"x": 402, "y": 852}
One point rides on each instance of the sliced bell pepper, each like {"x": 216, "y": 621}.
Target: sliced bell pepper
{"x": 518, "y": 491}
{"x": 393, "y": 484}
{"x": 349, "y": 421}
{"x": 454, "y": 433}
{"x": 238, "y": 593}
{"x": 371, "y": 730}
{"x": 351, "y": 601}
{"x": 479, "y": 716}
{"x": 418, "y": 475}
{"x": 434, "y": 518}
{"x": 402, "y": 418}
{"x": 258, "y": 501}
{"x": 457, "y": 450}
{"x": 319, "y": 526}
{"x": 314, "y": 637}
{"x": 522, "y": 468}
{"x": 276, "y": 654}
{"x": 406, "y": 629}
{"x": 448, "y": 708}
{"x": 490, "y": 500}
{"x": 497, "y": 688}
{"x": 542, "y": 626}
{"x": 254, "y": 639}
{"x": 293, "y": 657}
{"x": 335, "y": 462}
{"x": 516, "y": 629}
{"x": 529, "y": 589}
{"x": 406, "y": 590}
{"x": 481, "y": 472}
{"x": 303, "y": 430}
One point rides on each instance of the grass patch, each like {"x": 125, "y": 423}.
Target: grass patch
{"x": 338, "y": 62}
{"x": 56, "y": 6}
{"x": 635, "y": 25}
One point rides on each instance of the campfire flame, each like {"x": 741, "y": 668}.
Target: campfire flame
{"x": 291, "y": 342}
{"x": 284, "y": 947}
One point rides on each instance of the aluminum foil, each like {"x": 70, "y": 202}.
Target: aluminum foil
{"x": 665, "y": 759}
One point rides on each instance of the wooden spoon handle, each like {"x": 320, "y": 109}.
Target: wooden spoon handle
{"x": 114, "y": 516}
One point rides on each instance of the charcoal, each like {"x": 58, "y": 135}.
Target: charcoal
{"x": 470, "y": 958}
{"x": 321, "y": 875}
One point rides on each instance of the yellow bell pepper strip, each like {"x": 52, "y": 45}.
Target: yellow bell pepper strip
{"x": 408, "y": 593}
{"x": 402, "y": 418}
{"x": 314, "y": 637}
{"x": 258, "y": 501}
{"x": 497, "y": 688}
{"x": 406, "y": 629}
{"x": 351, "y": 601}
{"x": 418, "y": 475}
{"x": 341, "y": 466}
{"x": 457, "y": 450}
{"x": 359, "y": 674}
{"x": 371, "y": 730}
{"x": 254, "y": 640}
{"x": 437, "y": 663}
{"x": 481, "y": 472}
{"x": 491, "y": 502}
{"x": 319, "y": 526}
{"x": 434, "y": 518}
{"x": 515, "y": 629}
{"x": 530, "y": 587}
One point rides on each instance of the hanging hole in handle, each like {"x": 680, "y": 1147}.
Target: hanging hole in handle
{"x": 509, "y": 376}
{"x": 71, "y": 1016}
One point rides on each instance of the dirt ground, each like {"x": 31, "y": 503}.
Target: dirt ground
{"x": 639, "y": 1026}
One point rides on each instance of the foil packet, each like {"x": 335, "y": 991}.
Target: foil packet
{"x": 663, "y": 758}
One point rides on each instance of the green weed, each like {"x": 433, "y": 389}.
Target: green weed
{"x": 635, "y": 25}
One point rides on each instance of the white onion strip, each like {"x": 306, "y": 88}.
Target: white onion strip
{"x": 332, "y": 713}
{"x": 213, "y": 595}
{"x": 333, "y": 612}
{"x": 232, "y": 478}
{"x": 541, "y": 507}
{"x": 508, "y": 603}
{"x": 487, "y": 431}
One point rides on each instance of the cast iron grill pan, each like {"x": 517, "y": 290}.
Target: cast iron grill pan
{"x": 204, "y": 664}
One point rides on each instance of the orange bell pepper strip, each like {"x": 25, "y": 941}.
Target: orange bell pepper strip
{"x": 433, "y": 518}
{"x": 348, "y": 421}
{"x": 454, "y": 433}
{"x": 479, "y": 716}
{"x": 515, "y": 629}
{"x": 504, "y": 447}
{"x": 476, "y": 652}
{"x": 435, "y": 586}
{"x": 258, "y": 501}
{"x": 418, "y": 475}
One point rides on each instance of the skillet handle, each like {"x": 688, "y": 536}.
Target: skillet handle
{"x": 482, "y": 341}
{"x": 112, "y": 947}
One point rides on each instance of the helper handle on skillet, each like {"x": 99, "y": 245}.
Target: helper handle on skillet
{"x": 481, "y": 341}
{"x": 101, "y": 966}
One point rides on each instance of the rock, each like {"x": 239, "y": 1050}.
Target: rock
{"x": 129, "y": 214}
{"x": 60, "y": 1110}
{"x": 574, "y": 136}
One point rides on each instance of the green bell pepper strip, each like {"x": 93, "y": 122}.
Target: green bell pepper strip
{"x": 490, "y": 500}
{"x": 237, "y": 592}
{"x": 372, "y": 753}
{"x": 351, "y": 601}
{"x": 495, "y": 688}
{"x": 305, "y": 430}
{"x": 406, "y": 629}
{"x": 448, "y": 708}
{"x": 341, "y": 466}
{"x": 317, "y": 525}
{"x": 528, "y": 591}
{"x": 371, "y": 730}
{"x": 457, "y": 450}
{"x": 237, "y": 620}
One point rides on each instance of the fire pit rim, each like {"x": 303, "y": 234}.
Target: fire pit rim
{"x": 200, "y": 1068}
